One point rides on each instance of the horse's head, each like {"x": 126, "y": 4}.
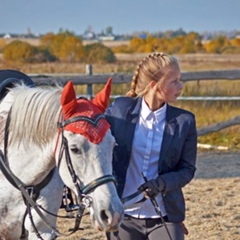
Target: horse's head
{"x": 85, "y": 155}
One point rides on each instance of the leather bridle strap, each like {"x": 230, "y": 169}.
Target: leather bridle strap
{"x": 81, "y": 118}
{"x": 10, "y": 177}
{"x": 97, "y": 182}
{"x": 75, "y": 179}
{"x": 131, "y": 196}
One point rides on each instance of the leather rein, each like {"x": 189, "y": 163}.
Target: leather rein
{"x": 31, "y": 193}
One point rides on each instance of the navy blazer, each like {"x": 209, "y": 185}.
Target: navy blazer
{"x": 177, "y": 158}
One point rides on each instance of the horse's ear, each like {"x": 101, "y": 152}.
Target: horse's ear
{"x": 102, "y": 98}
{"x": 68, "y": 100}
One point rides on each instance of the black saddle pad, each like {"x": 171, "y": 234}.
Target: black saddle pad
{"x": 8, "y": 77}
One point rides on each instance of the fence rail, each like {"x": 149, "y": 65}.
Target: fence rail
{"x": 89, "y": 79}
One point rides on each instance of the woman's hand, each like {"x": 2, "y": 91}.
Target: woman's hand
{"x": 153, "y": 187}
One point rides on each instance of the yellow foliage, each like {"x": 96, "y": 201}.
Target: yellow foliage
{"x": 136, "y": 43}
{"x": 47, "y": 39}
{"x": 236, "y": 42}
{"x": 72, "y": 50}
{"x": 218, "y": 45}
{"x": 18, "y": 51}
{"x": 2, "y": 44}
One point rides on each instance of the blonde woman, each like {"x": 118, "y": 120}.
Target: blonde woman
{"x": 155, "y": 153}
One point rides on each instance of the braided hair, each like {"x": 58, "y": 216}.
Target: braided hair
{"x": 151, "y": 68}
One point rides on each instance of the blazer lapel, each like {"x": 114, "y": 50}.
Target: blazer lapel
{"x": 168, "y": 137}
{"x": 132, "y": 118}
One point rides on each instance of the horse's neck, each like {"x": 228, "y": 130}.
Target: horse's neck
{"x": 31, "y": 165}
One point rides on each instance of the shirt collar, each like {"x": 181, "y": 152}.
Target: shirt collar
{"x": 147, "y": 113}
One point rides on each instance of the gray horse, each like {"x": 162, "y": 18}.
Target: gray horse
{"x": 49, "y": 130}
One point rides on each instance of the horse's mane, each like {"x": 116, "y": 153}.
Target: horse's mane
{"x": 34, "y": 114}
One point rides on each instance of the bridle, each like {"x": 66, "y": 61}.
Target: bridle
{"x": 64, "y": 148}
{"x": 83, "y": 200}
{"x": 31, "y": 193}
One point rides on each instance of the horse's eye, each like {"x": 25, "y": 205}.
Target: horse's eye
{"x": 76, "y": 150}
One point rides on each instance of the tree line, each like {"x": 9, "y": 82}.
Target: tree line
{"x": 182, "y": 44}
{"x": 66, "y": 47}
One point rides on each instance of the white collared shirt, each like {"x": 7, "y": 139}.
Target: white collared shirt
{"x": 146, "y": 149}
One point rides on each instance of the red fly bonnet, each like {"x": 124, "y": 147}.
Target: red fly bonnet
{"x": 86, "y": 117}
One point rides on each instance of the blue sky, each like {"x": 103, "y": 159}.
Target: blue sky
{"x": 124, "y": 16}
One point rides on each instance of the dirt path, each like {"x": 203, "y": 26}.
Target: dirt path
{"x": 212, "y": 200}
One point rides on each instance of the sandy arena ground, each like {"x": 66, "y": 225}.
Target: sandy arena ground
{"x": 212, "y": 199}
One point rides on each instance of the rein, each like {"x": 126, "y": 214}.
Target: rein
{"x": 153, "y": 201}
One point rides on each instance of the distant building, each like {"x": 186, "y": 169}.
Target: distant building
{"x": 7, "y": 36}
{"x": 89, "y": 34}
{"x": 106, "y": 37}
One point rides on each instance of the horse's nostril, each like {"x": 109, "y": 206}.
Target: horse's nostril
{"x": 104, "y": 216}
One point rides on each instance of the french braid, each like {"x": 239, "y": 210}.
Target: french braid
{"x": 151, "y": 68}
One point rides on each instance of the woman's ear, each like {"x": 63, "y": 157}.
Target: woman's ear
{"x": 155, "y": 86}
{"x": 152, "y": 84}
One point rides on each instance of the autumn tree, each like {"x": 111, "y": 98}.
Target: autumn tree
{"x": 18, "y": 51}
{"x": 218, "y": 45}
{"x": 235, "y": 42}
{"x": 98, "y": 53}
{"x": 192, "y": 43}
{"x": 72, "y": 50}
{"x": 43, "y": 54}
{"x": 64, "y": 46}
{"x": 47, "y": 39}
{"x": 181, "y": 43}
{"x": 136, "y": 44}
{"x": 56, "y": 44}
{"x": 236, "y": 45}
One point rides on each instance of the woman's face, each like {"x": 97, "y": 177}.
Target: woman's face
{"x": 171, "y": 87}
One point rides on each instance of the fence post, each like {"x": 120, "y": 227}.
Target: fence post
{"x": 89, "y": 85}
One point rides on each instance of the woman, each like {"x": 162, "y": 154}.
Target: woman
{"x": 155, "y": 153}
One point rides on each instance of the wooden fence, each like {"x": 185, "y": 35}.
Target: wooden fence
{"x": 89, "y": 79}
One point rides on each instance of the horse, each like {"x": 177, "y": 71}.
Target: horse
{"x": 49, "y": 138}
